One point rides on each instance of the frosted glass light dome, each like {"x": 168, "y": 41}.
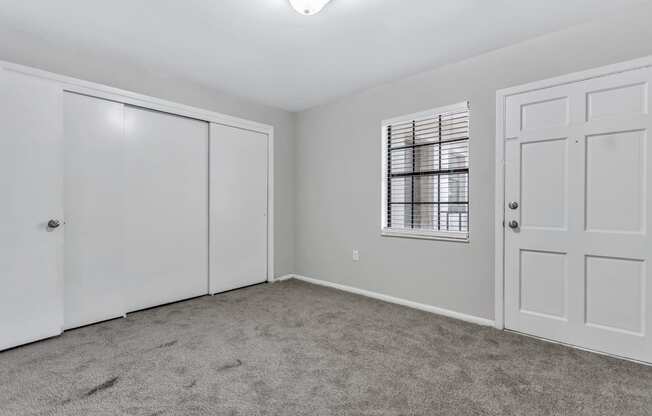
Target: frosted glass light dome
{"x": 308, "y": 7}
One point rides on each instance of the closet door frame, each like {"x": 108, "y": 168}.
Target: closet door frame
{"x": 96, "y": 90}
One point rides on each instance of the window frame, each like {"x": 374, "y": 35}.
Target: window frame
{"x": 454, "y": 236}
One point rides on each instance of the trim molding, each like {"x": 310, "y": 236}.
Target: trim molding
{"x": 391, "y": 299}
{"x": 94, "y": 89}
{"x": 282, "y": 278}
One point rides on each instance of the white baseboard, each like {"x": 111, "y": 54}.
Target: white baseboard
{"x": 281, "y": 278}
{"x": 392, "y": 299}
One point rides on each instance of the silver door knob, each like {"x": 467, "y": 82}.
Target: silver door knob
{"x": 513, "y": 224}
{"x": 54, "y": 224}
{"x": 513, "y": 205}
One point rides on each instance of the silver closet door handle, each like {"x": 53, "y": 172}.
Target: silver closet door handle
{"x": 513, "y": 205}
{"x": 54, "y": 224}
{"x": 513, "y": 224}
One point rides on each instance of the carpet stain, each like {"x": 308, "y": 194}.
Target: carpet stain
{"x": 168, "y": 344}
{"x": 464, "y": 377}
{"x": 229, "y": 366}
{"x": 191, "y": 385}
{"x": 513, "y": 382}
{"x": 180, "y": 370}
{"x": 101, "y": 387}
{"x": 492, "y": 342}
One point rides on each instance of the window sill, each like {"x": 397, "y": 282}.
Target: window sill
{"x": 452, "y": 237}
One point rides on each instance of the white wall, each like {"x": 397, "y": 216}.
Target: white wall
{"x": 338, "y": 167}
{"x": 60, "y": 57}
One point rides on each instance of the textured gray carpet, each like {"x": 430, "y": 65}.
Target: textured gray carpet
{"x": 293, "y": 348}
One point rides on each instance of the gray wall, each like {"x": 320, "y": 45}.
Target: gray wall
{"x": 62, "y": 58}
{"x": 327, "y": 159}
{"x": 338, "y": 167}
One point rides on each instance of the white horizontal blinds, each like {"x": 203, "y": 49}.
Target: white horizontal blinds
{"x": 428, "y": 173}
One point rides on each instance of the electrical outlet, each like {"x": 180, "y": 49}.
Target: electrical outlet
{"x": 356, "y": 255}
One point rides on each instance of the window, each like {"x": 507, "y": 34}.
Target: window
{"x": 426, "y": 174}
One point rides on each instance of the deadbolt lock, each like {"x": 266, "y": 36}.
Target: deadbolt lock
{"x": 52, "y": 224}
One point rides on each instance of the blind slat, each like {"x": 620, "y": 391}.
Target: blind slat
{"x": 427, "y": 173}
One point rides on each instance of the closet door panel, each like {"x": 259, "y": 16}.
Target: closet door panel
{"x": 238, "y": 208}
{"x": 166, "y": 217}
{"x": 31, "y": 171}
{"x": 94, "y": 184}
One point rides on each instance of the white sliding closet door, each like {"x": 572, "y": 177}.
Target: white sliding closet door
{"x": 31, "y": 190}
{"x": 238, "y": 208}
{"x": 166, "y": 220}
{"x": 94, "y": 184}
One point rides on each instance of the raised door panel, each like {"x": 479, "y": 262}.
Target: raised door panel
{"x": 544, "y": 184}
{"x": 623, "y": 98}
{"x": 543, "y": 283}
{"x": 542, "y": 112}
{"x": 615, "y": 178}
{"x": 550, "y": 112}
{"x": 31, "y": 298}
{"x": 238, "y": 208}
{"x": 166, "y": 200}
{"x": 615, "y": 294}
{"x": 94, "y": 185}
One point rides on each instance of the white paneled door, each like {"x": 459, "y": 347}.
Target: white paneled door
{"x": 238, "y": 208}
{"x": 94, "y": 184}
{"x": 578, "y": 196}
{"x": 31, "y": 172}
{"x": 166, "y": 208}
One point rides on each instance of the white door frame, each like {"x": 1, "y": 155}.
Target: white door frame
{"x": 499, "y": 208}
{"x": 140, "y": 100}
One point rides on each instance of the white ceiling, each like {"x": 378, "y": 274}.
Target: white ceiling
{"x": 263, "y": 50}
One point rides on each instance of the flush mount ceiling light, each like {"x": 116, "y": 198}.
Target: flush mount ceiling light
{"x": 308, "y": 7}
